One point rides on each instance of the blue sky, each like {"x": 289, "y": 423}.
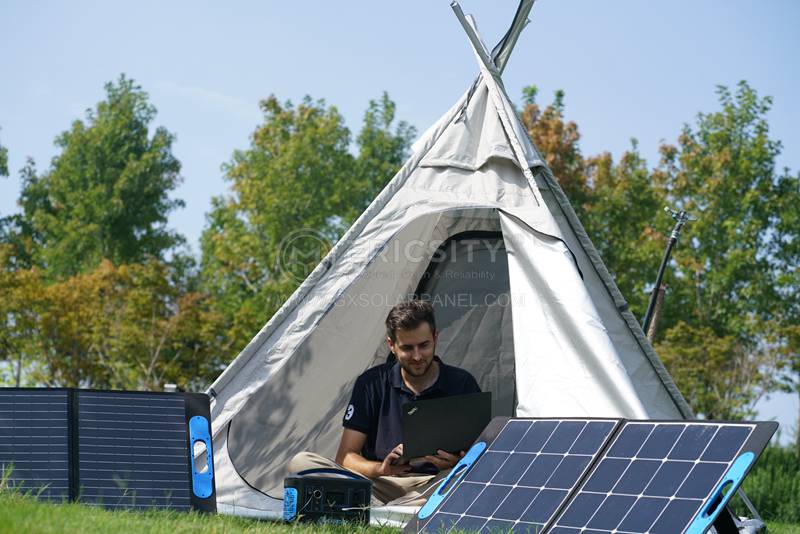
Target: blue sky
{"x": 629, "y": 69}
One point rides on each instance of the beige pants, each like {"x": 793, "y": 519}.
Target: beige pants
{"x": 405, "y": 490}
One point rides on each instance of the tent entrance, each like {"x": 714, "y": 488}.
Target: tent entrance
{"x": 467, "y": 283}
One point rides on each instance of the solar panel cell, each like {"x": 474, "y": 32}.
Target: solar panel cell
{"x": 668, "y": 478}
{"x": 726, "y": 443}
{"x": 540, "y": 470}
{"x": 701, "y": 480}
{"x": 606, "y": 474}
{"x": 513, "y": 468}
{"x": 568, "y": 472}
{"x": 611, "y": 512}
{"x": 692, "y": 443}
{"x": 462, "y": 499}
{"x": 630, "y": 441}
{"x": 660, "y": 441}
{"x": 440, "y": 523}
{"x": 563, "y": 436}
{"x": 637, "y": 476}
{"x": 511, "y": 436}
{"x": 544, "y": 506}
{"x": 488, "y": 501}
{"x": 592, "y": 437}
{"x": 487, "y": 466}
{"x": 516, "y": 502}
{"x": 643, "y": 514}
{"x": 537, "y": 436}
{"x": 581, "y": 509}
{"x": 675, "y": 517}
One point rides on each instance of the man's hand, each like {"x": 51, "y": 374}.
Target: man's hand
{"x": 443, "y": 459}
{"x": 390, "y": 466}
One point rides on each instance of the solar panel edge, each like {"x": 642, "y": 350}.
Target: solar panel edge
{"x": 492, "y": 433}
{"x": 191, "y": 404}
{"x": 758, "y": 438}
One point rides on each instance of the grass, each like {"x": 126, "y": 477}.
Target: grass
{"x": 20, "y": 513}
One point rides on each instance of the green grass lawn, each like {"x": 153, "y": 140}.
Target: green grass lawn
{"x": 19, "y": 514}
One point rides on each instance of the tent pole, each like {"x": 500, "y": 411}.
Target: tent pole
{"x": 477, "y": 44}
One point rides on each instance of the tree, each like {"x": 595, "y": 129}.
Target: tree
{"x": 726, "y": 332}
{"x": 732, "y": 298}
{"x": 293, "y": 192}
{"x": 616, "y": 202}
{"x": 130, "y": 327}
{"x": 106, "y": 194}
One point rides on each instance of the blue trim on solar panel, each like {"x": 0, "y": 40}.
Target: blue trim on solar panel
{"x": 202, "y": 482}
{"x": 733, "y": 478}
{"x": 450, "y": 482}
{"x": 654, "y": 478}
{"x": 524, "y": 476}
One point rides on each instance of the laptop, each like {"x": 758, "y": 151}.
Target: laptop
{"x": 448, "y": 423}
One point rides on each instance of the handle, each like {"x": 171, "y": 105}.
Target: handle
{"x": 202, "y": 483}
{"x": 718, "y": 501}
{"x": 455, "y": 476}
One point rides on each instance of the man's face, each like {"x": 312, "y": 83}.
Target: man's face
{"x": 414, "y": 349}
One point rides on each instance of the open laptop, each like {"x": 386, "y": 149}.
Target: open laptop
{"x": 448, "y": 423}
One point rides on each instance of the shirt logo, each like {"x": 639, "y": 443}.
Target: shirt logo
{"x": 413, "y": 410}
{"x": 349, "y": 414}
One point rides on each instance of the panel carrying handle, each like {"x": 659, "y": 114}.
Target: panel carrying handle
{"x": 452, "y": 480}
{"x": 202, "y": 483}
{"x": 718, "y": 501}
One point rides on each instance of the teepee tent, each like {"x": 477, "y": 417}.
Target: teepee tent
{"x": 475, "y": 222}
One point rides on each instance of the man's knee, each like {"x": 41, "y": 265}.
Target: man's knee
{"x": 302, "y": 461}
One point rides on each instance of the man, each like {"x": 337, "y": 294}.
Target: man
{"x": 371, "y": 442}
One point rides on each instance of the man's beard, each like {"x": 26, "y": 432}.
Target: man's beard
{"x": 411, "y": 372}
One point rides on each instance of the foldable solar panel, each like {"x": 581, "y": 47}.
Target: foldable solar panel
{"x": 116, "y": 449}
{"x": 34, "y": 438}
{"x": 595, "y": 476}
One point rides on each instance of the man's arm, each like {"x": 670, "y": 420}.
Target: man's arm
{"x": 349, "y": 457}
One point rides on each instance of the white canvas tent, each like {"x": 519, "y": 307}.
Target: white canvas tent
{"x": 476, "y": 222}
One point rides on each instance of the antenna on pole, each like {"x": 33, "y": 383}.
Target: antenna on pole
{"x": 657, "y": 295}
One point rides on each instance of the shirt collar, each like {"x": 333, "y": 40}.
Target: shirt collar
{"x": 397, "y": 378}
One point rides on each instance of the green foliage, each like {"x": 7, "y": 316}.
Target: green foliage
{"x": 88, "y": 298}
{"x": 132, "y": 326}
{"x": 728, "y": 282}
{"x": 773, "y": 486}
{"x": 3, "y": 161}
{"x": 728, "y": 331}
{"x": 293, "y": 192}
{"x": 106, "y": 194}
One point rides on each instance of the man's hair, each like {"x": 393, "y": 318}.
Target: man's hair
{"x": 409, "y": 315}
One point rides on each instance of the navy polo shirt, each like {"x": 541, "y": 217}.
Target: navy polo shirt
{"x": 379, "y": 395}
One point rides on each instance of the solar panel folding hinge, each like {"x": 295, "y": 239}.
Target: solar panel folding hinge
{"x": 116, "y": 449}
{"x": 596, "y": 476}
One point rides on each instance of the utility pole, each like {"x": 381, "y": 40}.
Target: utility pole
{"x": 657, "y": 295}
